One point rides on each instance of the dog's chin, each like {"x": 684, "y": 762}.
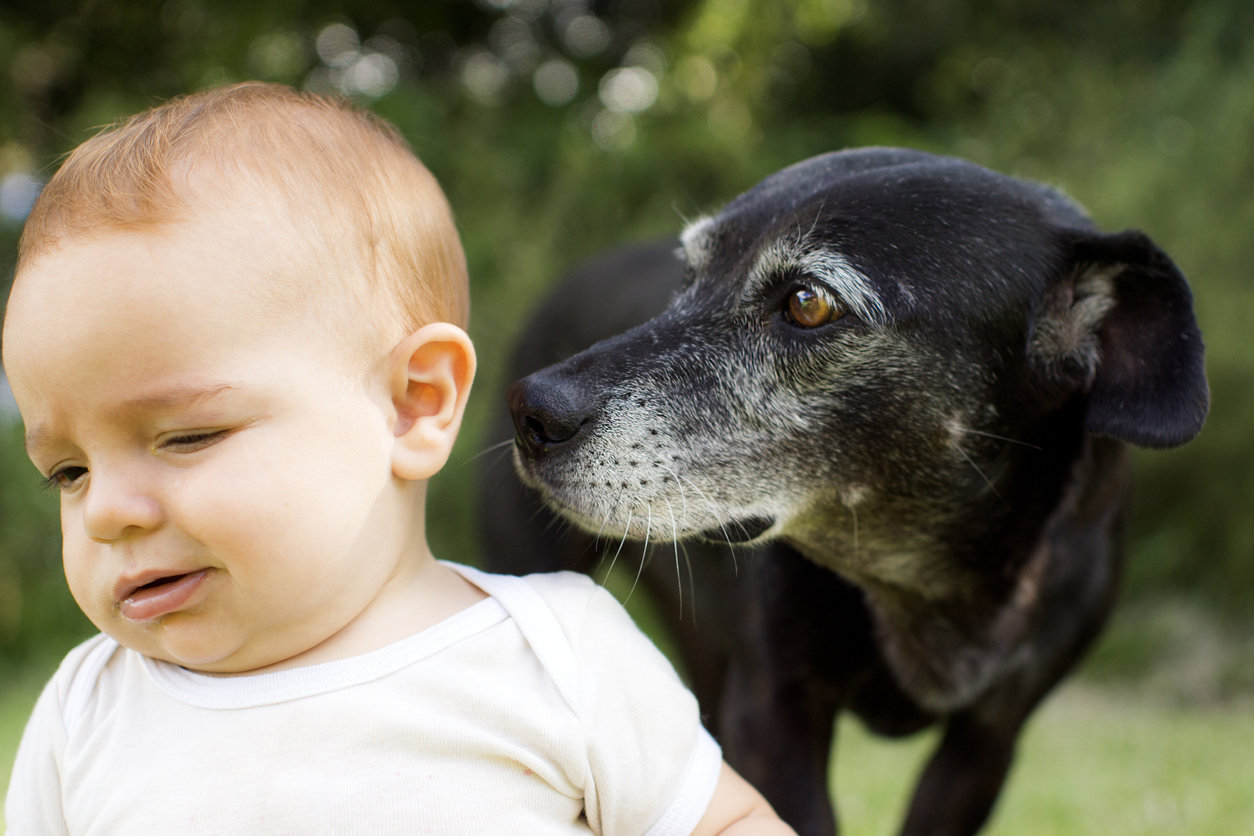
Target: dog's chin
{"x": 733, "y": 532}
{"x": 738, "y": 531}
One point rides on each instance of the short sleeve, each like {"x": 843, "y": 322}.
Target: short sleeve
{"x": 653, "y": 765}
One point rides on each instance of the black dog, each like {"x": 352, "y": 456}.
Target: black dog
{"x": 899, "y": 384}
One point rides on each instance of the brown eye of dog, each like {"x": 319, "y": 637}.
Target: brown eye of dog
{"x": 810, "y": 308}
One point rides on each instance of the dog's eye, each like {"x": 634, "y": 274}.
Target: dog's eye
{"x": 810, "y": 308}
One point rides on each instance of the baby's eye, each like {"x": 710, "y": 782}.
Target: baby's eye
{"x": 65, "y": 478}
{"x": 192, "y": 441}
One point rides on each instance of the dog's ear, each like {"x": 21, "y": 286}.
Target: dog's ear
{"x": 1121, "y": 327}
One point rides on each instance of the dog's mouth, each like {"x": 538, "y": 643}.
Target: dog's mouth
{"x": 738, "y": 531}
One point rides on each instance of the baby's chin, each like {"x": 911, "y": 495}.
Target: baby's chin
{"x": 188, "y": 645}
{"x": 235, "y": 658}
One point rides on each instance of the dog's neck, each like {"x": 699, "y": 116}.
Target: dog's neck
{"x": 950, "y": 627}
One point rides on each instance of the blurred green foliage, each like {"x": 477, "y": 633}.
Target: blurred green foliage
{"x": 562, "y": 127}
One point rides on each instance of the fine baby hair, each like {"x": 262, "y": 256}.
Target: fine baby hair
{"x": 345, "y": 180}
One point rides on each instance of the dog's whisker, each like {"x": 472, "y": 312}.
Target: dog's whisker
{"x": 498, "y": 447}
{"x": 679, "y": 583}
{"x": 714, "y": 509}
{"x": 682, "y": 495}
{"x": 606, "y": 517}
{"x": 969, "y": 431}
{"x": 692, "y": 584}
{"x": 971, "y": 462}
{"x": 605, "y": 556}
{"x": 644, "y": 556}
{"x": 554, "y": 521}
{"x": 491, "y": 448}
{"x": 714, "y": 512}
{"x": 622, "y": 541}
{"x": 710, "y": 505}
{"x": 648, "y": 525}
{"x": 614, "y": 560}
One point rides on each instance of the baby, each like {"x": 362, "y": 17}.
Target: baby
{"x": 236, "y": 340}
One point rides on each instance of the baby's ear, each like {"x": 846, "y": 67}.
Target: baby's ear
{"x": 430, "y": 372}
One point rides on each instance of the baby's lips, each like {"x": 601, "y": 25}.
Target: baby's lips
{"x": 161, "y": 596}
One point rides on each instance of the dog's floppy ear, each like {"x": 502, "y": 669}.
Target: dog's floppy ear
{"x": 1121, "y": 325}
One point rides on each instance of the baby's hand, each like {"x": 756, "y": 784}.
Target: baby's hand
{"x": 737, "y": 809}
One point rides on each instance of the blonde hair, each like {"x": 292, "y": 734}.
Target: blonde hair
{"x": 345, "y": 179}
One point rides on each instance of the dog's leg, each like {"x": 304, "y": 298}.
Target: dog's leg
{"x": 803, "y": 644}
{"x": 961, "y": 782}
{"x": 779, "y": 736}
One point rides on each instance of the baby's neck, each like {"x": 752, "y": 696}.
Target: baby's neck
{"x": 427, "y": 595}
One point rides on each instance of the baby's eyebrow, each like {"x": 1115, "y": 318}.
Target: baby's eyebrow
{"x": 36, "y": 437}
{"x": 170, "y": 397}
{"x": 178, "y": 395}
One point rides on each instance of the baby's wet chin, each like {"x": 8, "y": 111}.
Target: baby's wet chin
{"x": 177, "y": 622}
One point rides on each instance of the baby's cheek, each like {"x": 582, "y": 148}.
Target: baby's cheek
{"x": 91, "y": 589}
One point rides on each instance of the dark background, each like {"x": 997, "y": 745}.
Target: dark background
{"x": 561, "y": 127}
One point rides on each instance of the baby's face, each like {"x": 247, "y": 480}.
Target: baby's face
{"x": 227, "y": 499}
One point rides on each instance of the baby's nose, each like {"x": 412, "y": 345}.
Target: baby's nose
{"x": 118, "y": 503}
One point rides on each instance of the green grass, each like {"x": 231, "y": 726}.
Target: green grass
{"x": 1094, "y": 760}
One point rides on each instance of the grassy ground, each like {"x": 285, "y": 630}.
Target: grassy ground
{"x": 1153, "y": 737}
{"x": 1095, "y": 760}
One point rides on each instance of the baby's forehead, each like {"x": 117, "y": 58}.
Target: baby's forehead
{"x": 244, "y": 246}
{"x": 306, "y": 252}
{"x": 212, "y": 272}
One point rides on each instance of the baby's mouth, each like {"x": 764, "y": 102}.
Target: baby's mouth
{"x": 158, "y": 582}
{"x": 160, "y": 596}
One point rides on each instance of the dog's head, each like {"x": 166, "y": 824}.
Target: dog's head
{"x": 868, "y": 347}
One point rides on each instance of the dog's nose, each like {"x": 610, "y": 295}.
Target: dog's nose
{"x": 546, "y": 415}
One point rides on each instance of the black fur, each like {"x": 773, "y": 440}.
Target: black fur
{"x": 925, "y": 492}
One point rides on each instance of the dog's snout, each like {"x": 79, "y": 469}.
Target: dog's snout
{"x": 546, "y": 415}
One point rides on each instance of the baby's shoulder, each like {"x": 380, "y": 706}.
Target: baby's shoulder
{"x": 572, "y": 598}
{"x": 565, "y": 590}
{"x": 77, "y": 682}
{"x": 83, "y": 665}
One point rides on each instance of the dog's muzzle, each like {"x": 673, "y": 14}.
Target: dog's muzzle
{"x": 554, "y": 415}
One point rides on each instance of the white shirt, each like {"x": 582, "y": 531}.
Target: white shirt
{"x": 539, "y": 710}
